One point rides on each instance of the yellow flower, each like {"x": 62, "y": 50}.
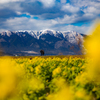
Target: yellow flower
{"x": 30, "y": 92}
{"x": 25, "y": 97}
{"x": 82, "y": 78}
{"x": 35, "y": 84}
{"x": 64, "y": 92}
{"x": 83, "y": 67}
{"x": 64, "y": 73}
{"x": 92, "y": 44}
{"x": 81, "y": 94}
{"x": 31, "y": 69}
{"x": 10, "y": 76}
{"x": 38, "y": 69}
{"x": 68, "y": 68}
{"x": 73, "y": 68}
{"x": 56, "y": 71}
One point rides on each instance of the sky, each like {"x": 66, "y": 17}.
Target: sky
{"x": 59, "y": 15}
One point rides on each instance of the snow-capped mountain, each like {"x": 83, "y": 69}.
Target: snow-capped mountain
{"x": 51, "y": 41}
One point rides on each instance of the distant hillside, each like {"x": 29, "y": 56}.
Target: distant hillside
{"x": 31, "y": 42}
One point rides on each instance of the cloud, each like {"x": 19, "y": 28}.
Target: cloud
{"x": 9, "y": 10}
{"x": 63, "y": 1}
{"x": 37, "y": 9}
{"x": 31, "y": 8}
{"x": 15, "y": 6}
{"x": 69, "y": 8}
{"x": 53, "y": 14}
{"x": 67, "y": 19}
{"x": 24, "y": 23}
{"x": 7, "y": 1}
{"x": 81, "y": 29}
{"x": 6, "y": 13}
{"x": 80, "y": 3}
{"x": 92, "y": 10}
{"x": 85, "y": 3}
{"x": 48, "y": 3}
{"x": 53, "y": 9}
{"x": 75, "y": 18}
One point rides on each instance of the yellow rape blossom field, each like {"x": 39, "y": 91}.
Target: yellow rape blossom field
{"x": 42, "y": 78}
{"x": 53, "y": 77}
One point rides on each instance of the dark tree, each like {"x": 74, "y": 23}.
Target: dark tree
{"x": 42, "y": 52}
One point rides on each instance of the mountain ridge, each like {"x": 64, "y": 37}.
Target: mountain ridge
{"x": 51, "y": 41}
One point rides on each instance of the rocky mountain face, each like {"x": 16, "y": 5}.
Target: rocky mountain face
{"x": 24, "y": 43}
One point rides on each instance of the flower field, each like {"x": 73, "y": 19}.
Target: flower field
{"x": 41, "y": 78}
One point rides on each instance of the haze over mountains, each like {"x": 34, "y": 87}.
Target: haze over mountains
{"x": 25, "y": 43}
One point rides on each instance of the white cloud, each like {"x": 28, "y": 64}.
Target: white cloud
{"x": 68, "y": 19}
{"x": 81, "y": 29}
{"x": 81, "y": 3}
{"x": 92, "y": 5}
{"x": 92, "y": 10}
{"x": 13, "y": 6}
{"x": 24, "y": 23}
{"x": 63, "y": 1}
{"x": 95, "y": 4}
{"x": 18, "y": 13}
{"x": 74, "y": 18}
{"x": 70, "y": 8}
{"x": 7, "y": 1}
{"x": 48, "y": 3}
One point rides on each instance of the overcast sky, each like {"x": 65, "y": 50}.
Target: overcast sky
{"x": 60, "y": 15}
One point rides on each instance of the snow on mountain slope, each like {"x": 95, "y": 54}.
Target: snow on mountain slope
{"x": 53, "y": 42}
{"x": 8, "y": 33}
{"x": 71, "y": 36}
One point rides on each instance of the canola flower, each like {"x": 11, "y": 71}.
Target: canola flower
{"x": 57, "y": 71}
{"x": 63, "y": 93}
{"x": 15, "y": 80}
{"x": 38, "y": 69}
{"x": 92, "y": 44}
{"x": 89, "y": 79}
{"x": 9, "y": 77}
{"x": 26, "y": 79}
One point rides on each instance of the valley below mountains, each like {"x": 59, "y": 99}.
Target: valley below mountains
{"x": 29, "y": 43}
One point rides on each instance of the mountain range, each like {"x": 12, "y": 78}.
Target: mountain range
{"x": 25, "y": 43}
